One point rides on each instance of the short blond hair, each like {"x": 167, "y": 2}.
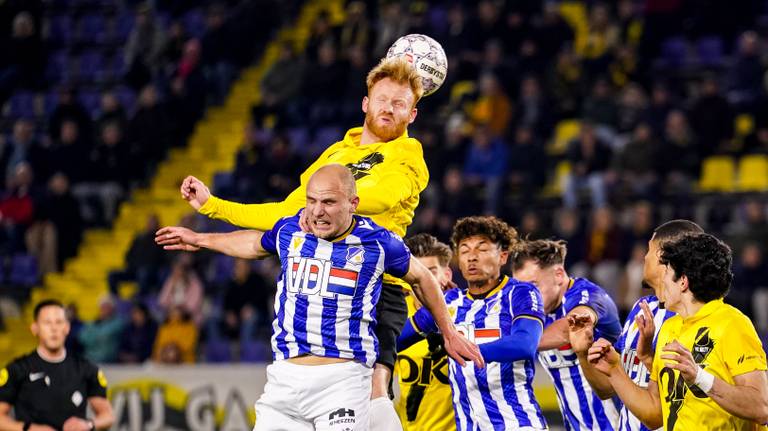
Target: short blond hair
{"x": 399, "y": 70}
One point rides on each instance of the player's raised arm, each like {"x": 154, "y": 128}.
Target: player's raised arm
{"x": 427, "y": 291}
{"x": 245, "y": 244}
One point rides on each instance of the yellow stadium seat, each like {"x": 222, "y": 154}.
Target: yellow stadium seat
{"x": 556, "y": 185}
{"x": 565, "y": 131}
{"x": 460, "y": 89}
{"x": 743, "y": 125}
{"x": 753, "y": 173}
{"x": 718, "y": 174}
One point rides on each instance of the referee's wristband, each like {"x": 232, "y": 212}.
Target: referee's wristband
{"x": 704, "y": 380}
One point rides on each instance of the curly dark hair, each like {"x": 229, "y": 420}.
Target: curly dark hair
{"x": 424, "y": 245}
{"x": 543, "y": 252}
{"x": 705, "y": 260}
{"x": 493, "y": 228}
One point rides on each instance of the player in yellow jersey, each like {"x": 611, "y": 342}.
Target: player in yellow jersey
{"x": 422, "y": 369}
{"x": 709, "y": 369}
{"x": 390, "y": 172}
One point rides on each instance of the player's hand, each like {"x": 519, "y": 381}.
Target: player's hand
{"x": 76, "y": 424}
{"x": 646, "y": 328}
{"x": 195, "y": 192}
{"x": 177, "y": 238}
{"x": 603, "y": 356}
{"x": 679, "y": 358}
{"x": 35, "y": 427}
{"x": 461, "y": 349}
{"x": 581, "y": 331}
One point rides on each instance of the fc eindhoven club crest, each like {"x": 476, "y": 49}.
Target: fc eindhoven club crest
{"x": 355, "y": 255}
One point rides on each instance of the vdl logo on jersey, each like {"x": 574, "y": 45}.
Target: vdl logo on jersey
{"x": 310, "y": 276}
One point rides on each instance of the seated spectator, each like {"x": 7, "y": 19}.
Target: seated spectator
{"x": 174, "y": 42}
{"x": 632, "y": 107}
{"x": 486, "y": 164}
{"x": 681, "y": 157}
{"x": 72, "y": 344}
{"x": 138, "y": 339}
{"x": 637, "y": 164}
{"x": 69, "y": 152}
{"x": 493, "y": 107}
{"x": 527, "y": 163}
{"x": 111, "y": 111}
{"x": 101, "y": 338}
{"x": 534, "y": 108}
{"x": 147, "y": 136}
{"x": 143, "y": 261}
{"x": 24, "y": 64}
{"x": 247, "y": 302}
{"x": 16, "y": 210}
{"x": 218, "y": 53}
{"x": 183, "y": 289}
{"x": 62, "y": 209}
{"x": 631, "y": 282}
{"x": 600, "y": 106}
{"x": 745, "y": 78}
{"x": 711, "y": 118}
{"x": 567, "y": 226}
{"x": 23, "y": 147}
{"x": 604, "y": 241}
{"x": 323, "y": 83}
{"x": 284, "y": 168}
{"x": 144, "y": 48}
{"x": 590, "y": 158}
{"x": 750, "y": 285}
{"x": 69, "y": 108}
{"x": 280, "y": 86}
{"x": 176, "y": 340}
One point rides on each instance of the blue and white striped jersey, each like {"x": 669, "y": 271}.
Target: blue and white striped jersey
{"x": 500, "y": 396}
{"x": 582, "y": 409}
{"x": 627, "y": 348}
{"x": 327, "y": 291}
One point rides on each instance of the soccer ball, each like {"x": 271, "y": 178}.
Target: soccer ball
{"x": 426, "y": 55}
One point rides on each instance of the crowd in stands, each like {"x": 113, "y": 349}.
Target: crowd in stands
{"x": 650, "y": 88}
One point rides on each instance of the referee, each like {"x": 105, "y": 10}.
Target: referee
{"x": 50, "y": 389}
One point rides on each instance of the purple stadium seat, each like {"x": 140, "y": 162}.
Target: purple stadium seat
{"x": 194, "y": 22}
{"x": 23, "y": 270}
{"x": 710, "y": 51}
{"x": 60, "y": 30}
{"x": 92, "y": 29}
{"x": 51, "y": 100}
{"x": 57, "y": 69}
{"x": 298, "y": 137}
{"x": 217, "y": 351}
{"x": 91, "y": 65}
{"x": 127, "y": 98}
{"x": 223, "y": 267}
{"x": 255, "y": 351}
{"x": 124, "y": 26}
{"x": 674, "y": 52}
{"x": 91, "y": 101}
{"x": 22, "y": 105}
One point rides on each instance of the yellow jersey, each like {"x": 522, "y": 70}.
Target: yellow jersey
{"x": 389, "y": 177}
{"x": 724, "y": 342}
{"x": 425, "y": 391}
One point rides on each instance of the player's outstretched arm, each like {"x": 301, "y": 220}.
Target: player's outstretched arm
{"x": 427, "y": 290}
{"x": 245, "y": 244}
{"x": 581, "y": 335}
{"x": 747, "y": 398}
{"x": 253, "y": 216}
{"x": 9, "y": 424}
{"x": 643, "y": 403}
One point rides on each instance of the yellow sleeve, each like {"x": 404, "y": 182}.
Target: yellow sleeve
{"x": 404, "y": 178}
{"x": 264, "y": 216}
{"x": 742, "y": 350}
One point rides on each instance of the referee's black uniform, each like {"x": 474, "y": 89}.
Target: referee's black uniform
{"x": 49, "y": 393}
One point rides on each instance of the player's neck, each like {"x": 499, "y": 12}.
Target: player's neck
{"x": 51, "y": 355}
{"x": 368, "y": 137}
{"x": 481, "y": 290}
{"x": 688, "y": 308}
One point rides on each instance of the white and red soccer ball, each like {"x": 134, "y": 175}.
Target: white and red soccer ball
{"x": 426, "y": 55}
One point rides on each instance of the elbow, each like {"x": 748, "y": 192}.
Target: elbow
{"x": 653, "y": 422}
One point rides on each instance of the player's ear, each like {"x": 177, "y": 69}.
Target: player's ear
{"x": 355, "y": 201}
{"x": 412, "y": 116}
{"x": 365, "y": 104}
{"x": 559, "y": 274}
{"x": 684, "y": 283}
{"x": 34, "y": 329}
{"x": 448, "y": 272}
{"x": 503, "y": 257}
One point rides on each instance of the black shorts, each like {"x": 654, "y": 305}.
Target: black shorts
{"x": 391, "y": 312}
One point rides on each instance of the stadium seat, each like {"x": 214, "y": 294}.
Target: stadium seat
{"x": 60, "y": 30}
{"x": 753, "y": 173}
{"x": 92, "y": 29}
{"x": 565, "y": 132}
{"x": 710, "y": 51}
{"x": 718, "y": 174}
{"x": 22, "y": 104}
{"x": 90, "y": 66}
{"x": 217, "y": 351}
{"x": 556, "y": 185}
{"x": 57, "y": 69}
{"x": 674, "y": 52}
{"x": 23, "y": 270}
{"x": 194, "y": 23}
{"x": 255, "y": 351}
{"x": 123, "y": 26}
{"x": 223, "y": 267}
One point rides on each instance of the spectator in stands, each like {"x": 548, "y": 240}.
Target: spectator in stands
{"x": 750, "y": 285}
{"x": 600, "y": 106}
{"x": 565, "y": 84}
{"x": 660, "y": 106}
{"x": 22, "y": 147}
{"x": 148, "y": 132}
{"x": 69, "y": 152}
{"x": 486, "y": 165}
{"x": 633, "y": 105}
{"x": 681, "y": 159}
{"x": 455, "y": 40}
{"x": 72, "y": 344}
{"x": 189, "y": 85}
{"x": 552, "y": 32}
{"x": 631, "y": 283}
{"x": 217, "y": 45}
{"x": 568, "y": 228}
{"x": 486, "y": 26}
{"x": 284, "y": 168}
{"x": 757, "y": 141}
{"x": 69, "y": 108}
{"x": 457, "y": 200}
{"x": 590, "y": 158}
{"x": 355, "y": 89}
{"x": 138, "y": 338}
{"x": 176, "y": 340}
{"x": 144, "y": 48}
{"x": 493, "y": 107}
{"x": 751, "y": 226}
{"x": 280, "y": 86}
{"x": 323, "y": 82}
{"x": 143, "y": 261}
{"x": 111, "y": 111}
{"x": 527, "y": 163}
{"x": 62, "y": 209}
{"x": 604, "y": 241}
{"x": 496, "y": 63}
{"x": 101, "y": 338}
{"x": 16, "y": 209}
{"x": 391, "y": 26}
{"x": 246, "y": 305}
{"x": 357, "y": 31}
{"x": 174, "y": 43}
{"x": 183, "y": 289}
{"x": 711, "y": 118}
{"x": 600, "y": 39}
{"x": 24, "y": 62}
{"x": 637, "y": 164}
{"x": 533, "y": 108}
{"x": 745, "y": 78}
{"x": 321, "y": 33}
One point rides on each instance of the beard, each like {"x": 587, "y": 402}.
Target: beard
{"x": 388, "y": 132}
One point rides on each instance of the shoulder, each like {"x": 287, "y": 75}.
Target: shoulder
{"x": 514, "y": 285}
{"x": 367, "y": 229}
{"x": 405, "y": 150}
{"x": 290, "y": 223}
{"x": 732, "y": 318}
{"x": 453, "y": 294}
{"x": 581, "y": 284}
{"x": 20, "y": 363}
{"x": 83, "y": 364}
{"x": 518, "y": 290}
